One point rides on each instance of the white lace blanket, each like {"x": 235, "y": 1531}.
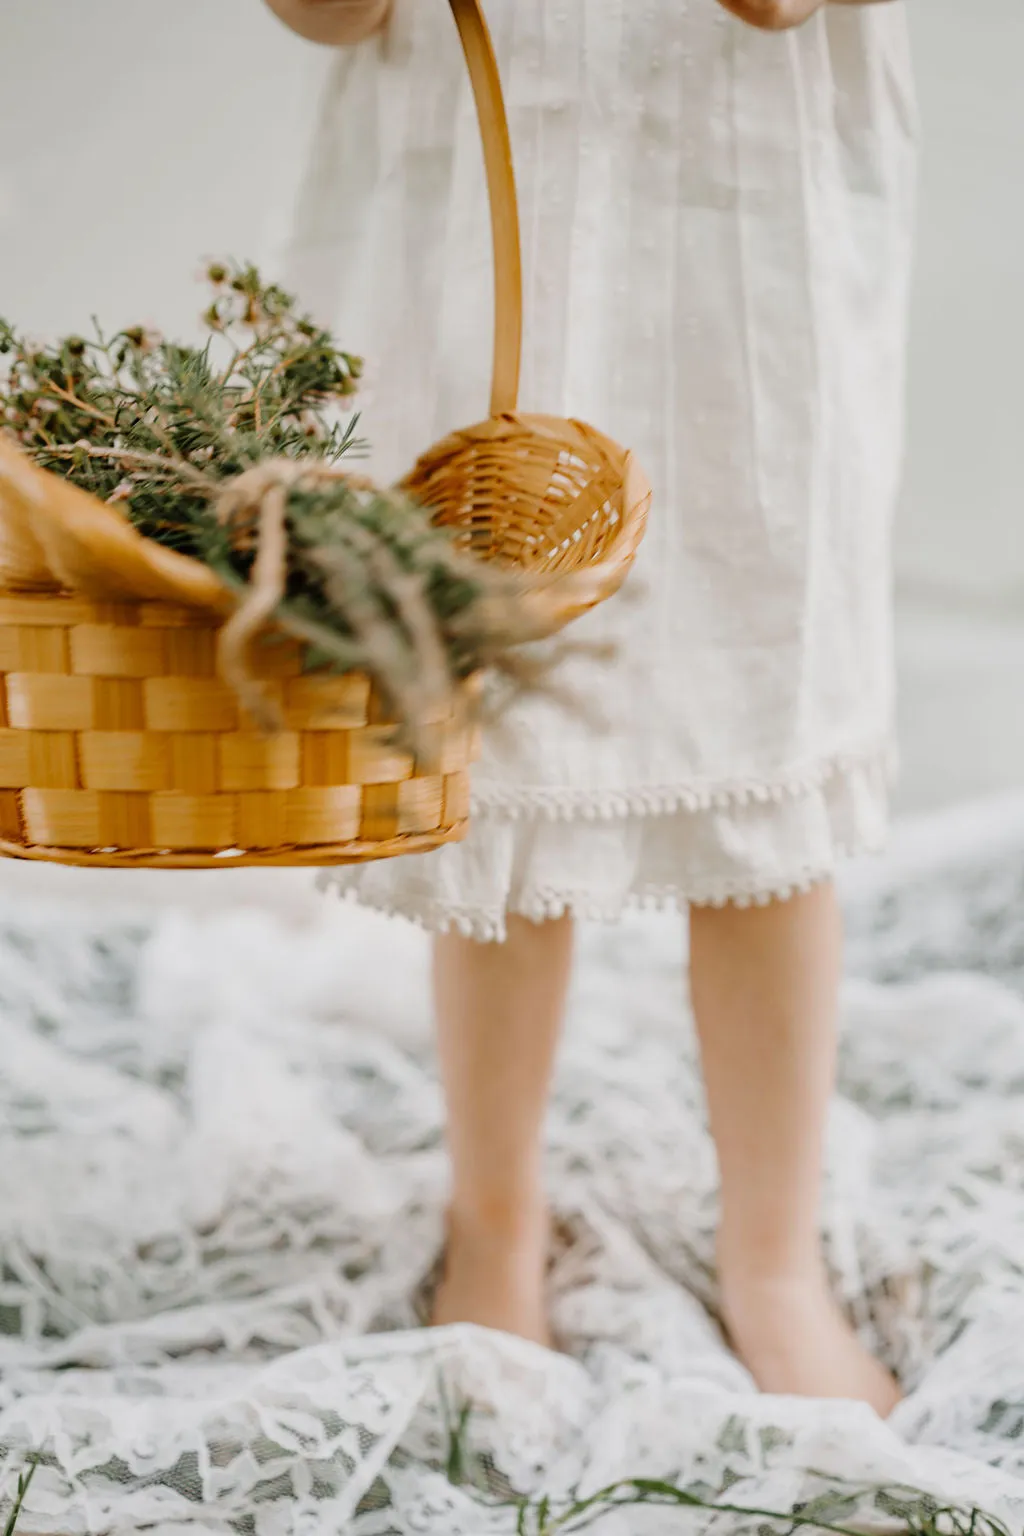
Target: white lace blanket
{"x": 221, "y": 1183}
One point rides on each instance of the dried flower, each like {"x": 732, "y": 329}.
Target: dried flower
{"x": 173, "y": 434}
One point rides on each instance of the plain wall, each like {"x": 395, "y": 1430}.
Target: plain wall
{"x": 961, "y": 532}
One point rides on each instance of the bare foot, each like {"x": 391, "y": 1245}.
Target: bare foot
{"x": 794, "y": 1340}
{"x": 494, "y": 1275}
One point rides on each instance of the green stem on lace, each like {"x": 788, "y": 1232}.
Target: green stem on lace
{"x": 456, "y": 1424}
{"x": 907, "y": 1511}
{"x": 24, "y": 1483}
{"x": 921, "y": 1519}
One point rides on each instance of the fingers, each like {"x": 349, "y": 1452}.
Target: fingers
{"x": 772, "y": 15}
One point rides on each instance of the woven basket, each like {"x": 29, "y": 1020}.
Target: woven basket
{"x": 119, "y": 742}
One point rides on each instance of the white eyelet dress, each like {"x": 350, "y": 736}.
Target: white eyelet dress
{"x": 716, "y": 229}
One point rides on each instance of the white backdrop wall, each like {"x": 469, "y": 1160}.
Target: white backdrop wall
{"x": 962, "y": 529}
{"x": 137, "y": 136}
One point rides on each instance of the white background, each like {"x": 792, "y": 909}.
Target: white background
{"x": 137, "y": 136}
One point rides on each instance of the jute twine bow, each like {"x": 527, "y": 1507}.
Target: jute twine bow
{"x": 391, "y": 629}
{"x": 260, "y": 494}
{"x": 508, "y": 617}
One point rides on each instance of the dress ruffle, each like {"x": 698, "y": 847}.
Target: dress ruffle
{"x": 709, "y": 850}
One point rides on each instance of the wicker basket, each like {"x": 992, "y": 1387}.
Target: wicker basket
{"x": 120, "y": 744}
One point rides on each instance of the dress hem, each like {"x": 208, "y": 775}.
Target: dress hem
{"x": 543, "y": 894}
{"x": 437, "y": 917}
{"x": 565, "y": 804}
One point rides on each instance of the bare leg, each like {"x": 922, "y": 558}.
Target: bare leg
{"x": 765, "y": 985}
{"x": 499, "y": 1015}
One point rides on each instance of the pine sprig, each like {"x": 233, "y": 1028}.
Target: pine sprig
{"x": 262, "y": 386}
{"x": 165, "y": 432}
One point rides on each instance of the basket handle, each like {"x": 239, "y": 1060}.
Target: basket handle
{"x": 501, "y": 191}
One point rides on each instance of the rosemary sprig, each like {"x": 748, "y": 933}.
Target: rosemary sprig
{"x": 164, "y": 432}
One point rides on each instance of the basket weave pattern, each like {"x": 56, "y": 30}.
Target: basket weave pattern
{"x": 544, "y": 494}
{"x": 135, "y": 751}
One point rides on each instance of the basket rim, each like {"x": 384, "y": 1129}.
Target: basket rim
{"x": 562, "y": 596}
{"x": 323, "y": 855}
{"x": 139, "y": 571}
{"x": 64, "y": 523}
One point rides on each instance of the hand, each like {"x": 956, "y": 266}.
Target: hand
{"x": 334, "y": 22}
{"x": 777, "y": 15}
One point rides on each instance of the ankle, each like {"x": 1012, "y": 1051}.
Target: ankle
{"x": 505, "y": 1218}
{"x": 749, "y": 1268}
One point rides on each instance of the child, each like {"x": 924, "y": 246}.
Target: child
{"x": 716, "y": 228}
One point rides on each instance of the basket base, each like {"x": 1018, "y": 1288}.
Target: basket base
{"x": 324, "y": 856}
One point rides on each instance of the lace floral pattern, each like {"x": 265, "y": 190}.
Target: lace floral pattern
{"x": 220, "y": 1190}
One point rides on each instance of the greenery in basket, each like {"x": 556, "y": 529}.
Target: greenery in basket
{"x": 191, "y": 441}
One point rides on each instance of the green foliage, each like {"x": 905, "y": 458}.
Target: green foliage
{"x": 164, "y": 432}
{"x": 915, "y": 1513}
{"x": 128, "y": 417}
{"x": 24, "y": 1483}
{"x": 840, "y": 1509}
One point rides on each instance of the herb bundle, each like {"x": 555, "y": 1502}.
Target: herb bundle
{"x": 230, "y": 453}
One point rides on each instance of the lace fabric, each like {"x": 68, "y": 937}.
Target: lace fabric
{"x": 220, "y": 1197}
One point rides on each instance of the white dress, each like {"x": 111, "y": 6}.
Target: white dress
{"x": 716, "y": 228}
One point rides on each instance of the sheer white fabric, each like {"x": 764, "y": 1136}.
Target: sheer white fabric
{"x": 716, "y": 231}
{"x": 220, "y": 1194}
